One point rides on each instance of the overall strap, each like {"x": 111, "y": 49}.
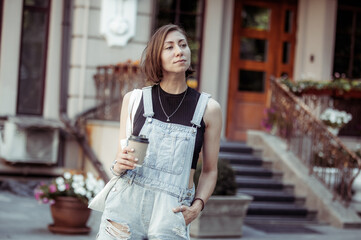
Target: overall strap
{"x": 147, "y": 102}
{"x": 201, "y": 107}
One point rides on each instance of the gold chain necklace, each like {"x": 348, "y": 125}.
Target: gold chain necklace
{"x": 161, "y": 105}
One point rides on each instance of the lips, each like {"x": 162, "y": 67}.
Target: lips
{"x": 180, "y": 61}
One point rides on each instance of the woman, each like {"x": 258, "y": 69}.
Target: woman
{"x": 158, "y": 199}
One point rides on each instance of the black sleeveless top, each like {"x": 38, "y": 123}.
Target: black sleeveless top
{"x": 182, "y": 116}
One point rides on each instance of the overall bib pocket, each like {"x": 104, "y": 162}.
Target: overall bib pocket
{"x": 166, "y": 152}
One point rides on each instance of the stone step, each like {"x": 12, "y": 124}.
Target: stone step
{"x": 282, "y": 220}
{"x": 257, "y": 171}
{"x": 273, "y": 201}
{"x": 241, "y": 159}
{"x": 261, "y": 195}
{"x": 235, "y": 147}
{"x": 278, "y": 209}
{"x": 261, "y": 183}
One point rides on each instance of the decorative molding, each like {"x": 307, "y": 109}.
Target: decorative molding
{"x": 118, "y": 21}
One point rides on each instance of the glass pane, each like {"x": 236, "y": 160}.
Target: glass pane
{"x": 188, "y": 22}
{"x": 344, "y": 21}
{"x": 340, "y": 65}
{"x": 286, "y": 52}
{"x": 342, "y": 45}
{"x": 257, "y": 18}
{"x": 37, "y": 3}
{"x": 252, "y": 81}
{"x": 166, "y": 5}
{"x": 190, "y": 6}
{"x": 31, "y": 77}
{"x": 358, "y": 24}
{"x": 288, "y": 21}
{"x": 164, "y": 18}
{"x": 254, "y": 49}
{"x": 356, "y": 70}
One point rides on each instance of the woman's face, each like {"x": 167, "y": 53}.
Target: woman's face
{"x": 175, "y": 54}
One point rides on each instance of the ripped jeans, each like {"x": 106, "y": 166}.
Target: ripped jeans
{"x": 135, "y": 212}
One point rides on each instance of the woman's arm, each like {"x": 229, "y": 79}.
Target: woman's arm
{"x": 208, "y": 178}
{"x": 124, "y": 160}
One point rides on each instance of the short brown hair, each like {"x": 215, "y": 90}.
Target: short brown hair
{"x": 151, "y": 63}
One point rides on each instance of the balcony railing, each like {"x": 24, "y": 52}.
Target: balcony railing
{"x": 112, "y": 83}
{"x": 326, "y": 157}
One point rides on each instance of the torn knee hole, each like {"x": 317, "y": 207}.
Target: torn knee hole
{"x": 119, "y": 231}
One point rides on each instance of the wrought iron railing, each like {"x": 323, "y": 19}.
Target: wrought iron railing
{"x": 326, "y": 157}
{"x": 112, "y": 83}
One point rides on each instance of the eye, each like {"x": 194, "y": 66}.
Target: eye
{"x": 183, "y": 45}
{"x": 169, "y": 48}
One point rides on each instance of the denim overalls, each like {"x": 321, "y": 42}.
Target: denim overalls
{"x": 142, "y": 199}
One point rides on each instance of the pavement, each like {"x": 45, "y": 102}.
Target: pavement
{"x": 22, "y": 217}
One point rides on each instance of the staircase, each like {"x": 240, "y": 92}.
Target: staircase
{"x": 273, "y": 201}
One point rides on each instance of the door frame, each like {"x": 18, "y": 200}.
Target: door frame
{"x": 272, "y": 67}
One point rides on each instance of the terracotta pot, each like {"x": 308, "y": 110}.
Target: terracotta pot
{"x": 70, "y": 215}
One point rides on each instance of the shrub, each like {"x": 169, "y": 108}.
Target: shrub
{"x": 226, "y": 181}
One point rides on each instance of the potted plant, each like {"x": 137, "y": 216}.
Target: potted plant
{"x": 68, "y": 196}
{"x": 335, "y": 119}
{"x": 225, "y": 210}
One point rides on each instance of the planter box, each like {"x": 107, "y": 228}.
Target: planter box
{"x": 222, "y": 216}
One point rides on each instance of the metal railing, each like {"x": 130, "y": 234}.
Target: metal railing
{"x": 112, "y": 83}
{"x": 326, "y": 157}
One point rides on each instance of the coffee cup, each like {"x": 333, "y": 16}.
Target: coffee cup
{"x": 140, "y": 145}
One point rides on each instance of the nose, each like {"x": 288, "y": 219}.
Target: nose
{"x": 178, "y": 51}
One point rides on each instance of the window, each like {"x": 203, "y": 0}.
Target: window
{"x": 189, "y": 15}
{"x": 1, "y": 17}
{"x": 33, "y": 50}
{"x": 347, "y": 57}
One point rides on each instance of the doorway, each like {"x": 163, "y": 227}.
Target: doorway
{"x": 263, "y": 45}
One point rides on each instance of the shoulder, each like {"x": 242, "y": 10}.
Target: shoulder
{"x": 132, "y": 94}
{"x": 213, "y": 113}
{"x": 127, "y": 96}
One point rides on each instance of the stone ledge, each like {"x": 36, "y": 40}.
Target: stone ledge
{"x": 318, "y": 197}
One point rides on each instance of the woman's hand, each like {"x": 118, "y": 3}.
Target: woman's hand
{"x": 189, "y": 213}
{"x": 124, "y": 160}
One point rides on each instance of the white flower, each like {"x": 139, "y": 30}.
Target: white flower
{"x": 67, "y": 175}
{"x": 80, "y": 191}
{"x": 59, "y": 181}
{"x": 61, "y": 187}
{"x": 78, "y": 178}
{"x": 89, "y": 195}
{"x": 90, "y": 175}
{"x": 90, "y": 184}
{"x": 335, "y": 118}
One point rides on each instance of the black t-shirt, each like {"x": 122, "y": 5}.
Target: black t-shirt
{"x": 182, "y": 116}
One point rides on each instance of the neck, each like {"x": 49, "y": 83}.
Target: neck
{"x": 174, "y": 84}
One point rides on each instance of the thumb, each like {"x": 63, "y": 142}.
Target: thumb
{"x": 177, "y": 209}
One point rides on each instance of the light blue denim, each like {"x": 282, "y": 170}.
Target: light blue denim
{"x": 142, "y": 199}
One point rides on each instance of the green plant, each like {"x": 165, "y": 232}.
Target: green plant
{"x": 335, "y": 118}
{"x": 341, "y": 84}
{"x": 71, "y": 184}
{"x": 226, "y": 181}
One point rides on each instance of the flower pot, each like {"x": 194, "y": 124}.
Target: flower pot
{"x": 70, "y": 216}
{"x": 222, "y": 217}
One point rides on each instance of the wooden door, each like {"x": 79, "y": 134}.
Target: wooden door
{"x": 263, "y": 44}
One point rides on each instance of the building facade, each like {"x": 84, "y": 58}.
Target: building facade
{"x": 238, "y": 45}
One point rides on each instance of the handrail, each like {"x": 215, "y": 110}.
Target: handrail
{"x": 112, "y": 83}
{"x": 326, "y": 157}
